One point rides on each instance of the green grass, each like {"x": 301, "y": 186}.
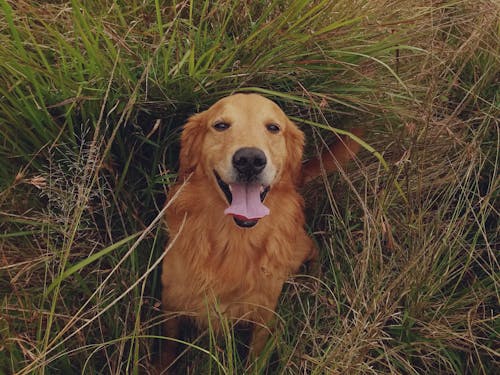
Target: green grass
{"x": 92, "y": 97}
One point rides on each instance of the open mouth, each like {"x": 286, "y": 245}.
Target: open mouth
{"x": 245, "y": 201}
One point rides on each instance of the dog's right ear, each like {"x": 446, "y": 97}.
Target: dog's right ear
{"x": 191, "y": 144}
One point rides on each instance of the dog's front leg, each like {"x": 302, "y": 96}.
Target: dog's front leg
{"x": 170, "y": 347}
{"x": 262, "y": 329}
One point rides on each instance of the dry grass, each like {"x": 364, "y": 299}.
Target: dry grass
{"x": 91, "y": 99}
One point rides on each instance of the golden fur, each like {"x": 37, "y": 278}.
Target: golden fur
{"x": 214, "y": 266}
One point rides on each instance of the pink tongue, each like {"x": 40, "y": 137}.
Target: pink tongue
{"x": 246, "y": 202}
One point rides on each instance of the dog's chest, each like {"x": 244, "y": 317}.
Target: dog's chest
{"x": 227, "y": 271}
{"x": 212, "y": 262}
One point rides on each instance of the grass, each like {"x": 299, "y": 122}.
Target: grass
{"x": 92, "y": 96}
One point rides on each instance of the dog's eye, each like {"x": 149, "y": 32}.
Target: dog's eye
{"x": 221, "y": 126}
{"x": 273, "y": 128}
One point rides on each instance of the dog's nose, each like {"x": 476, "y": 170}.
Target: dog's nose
{"x": 249, "y": 161}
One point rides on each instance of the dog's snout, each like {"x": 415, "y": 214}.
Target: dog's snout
{"x": 249, "y": 161}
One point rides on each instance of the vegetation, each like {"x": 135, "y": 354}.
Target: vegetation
{"x": 92, "y": 97}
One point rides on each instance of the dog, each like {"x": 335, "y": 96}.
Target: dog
{"x": 235, "y": 218}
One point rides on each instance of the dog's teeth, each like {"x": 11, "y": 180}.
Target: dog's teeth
{"x": 230, "y": 188}
{"x": 261, "y": 188}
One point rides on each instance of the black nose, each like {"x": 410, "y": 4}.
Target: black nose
{"x": 249, "y": 162}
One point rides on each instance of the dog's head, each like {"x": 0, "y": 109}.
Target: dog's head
{"x": 244, "y": 145}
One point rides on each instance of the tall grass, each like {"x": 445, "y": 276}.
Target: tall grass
{"x": 92, "y": 96}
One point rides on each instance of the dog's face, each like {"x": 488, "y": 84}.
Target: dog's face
{"x": 244, "y": 144}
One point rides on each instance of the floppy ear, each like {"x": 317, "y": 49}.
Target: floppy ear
{"x": 294, "y": 146}
{"x": 191, "y": 143}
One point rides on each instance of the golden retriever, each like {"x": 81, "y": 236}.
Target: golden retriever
{"x": 236, "y": 219}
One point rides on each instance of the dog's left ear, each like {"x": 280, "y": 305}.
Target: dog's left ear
{"x": 191, "y": 143}
{"x": 294, "y": 139}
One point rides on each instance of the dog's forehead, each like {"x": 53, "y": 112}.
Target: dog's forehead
{"x": 249, "y": 107}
